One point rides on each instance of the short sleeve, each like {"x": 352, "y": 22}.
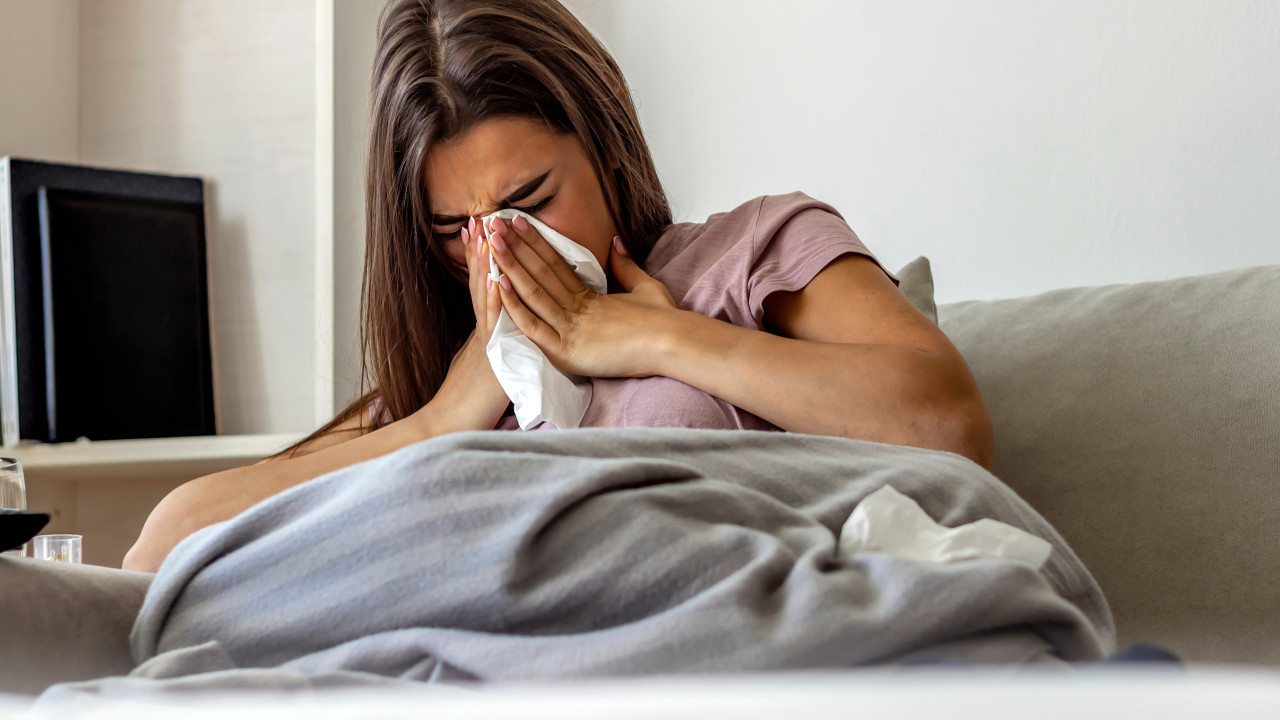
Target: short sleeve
{"x": 796, "y": 238}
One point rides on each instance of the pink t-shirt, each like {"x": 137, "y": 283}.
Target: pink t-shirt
{"x": 723, "y": 268}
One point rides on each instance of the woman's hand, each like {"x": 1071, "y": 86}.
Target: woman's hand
{"x": 470, "y": 397}
{"x": 484, "y": 293}
{"x": 580, "y": 330}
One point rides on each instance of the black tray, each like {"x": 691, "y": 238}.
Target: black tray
{"x": 17, "y": 527}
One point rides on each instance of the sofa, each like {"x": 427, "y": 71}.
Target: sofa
{"x": 1142, "y": 420}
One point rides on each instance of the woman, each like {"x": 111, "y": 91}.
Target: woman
{"x": 770, "y": 316}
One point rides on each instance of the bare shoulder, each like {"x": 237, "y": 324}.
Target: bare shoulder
{"x": 350, "y": 429}
{"x": 852, "y": 300}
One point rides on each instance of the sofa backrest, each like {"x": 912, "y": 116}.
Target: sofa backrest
{"x": 1143, "y": 421}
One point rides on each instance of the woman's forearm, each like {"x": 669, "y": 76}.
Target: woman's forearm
{"x": 884, "y": 393}
{"x": 223, "y": 495}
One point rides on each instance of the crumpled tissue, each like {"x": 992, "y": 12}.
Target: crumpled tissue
{"x": 887, "y": 521}
{"x": 539, "y": 390}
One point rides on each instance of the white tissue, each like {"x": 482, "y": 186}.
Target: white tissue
{"x": 889, "y": 522}
{"x": 540, "y": 391}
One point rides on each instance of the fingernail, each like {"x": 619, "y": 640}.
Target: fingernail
{"x": 617, "y": 245}
{"x": 471, "y": 226}
{"x": 498, "y": 243}
{"x": 520, "y": 223}
{"x": 466, "y": 237}
{"x": 488, "y": 282}
{"x": 505, "y": 282}
{"x": 496, "y": 225}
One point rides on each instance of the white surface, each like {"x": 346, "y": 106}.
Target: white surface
{"x": 1022, "y": 146}
{"x": 39, "y": 85}
{"x": 961, "y": 695}
{"x": 226, "y": 90}
{"x": 355, "y": 36}
{"x": 323, "y": 357}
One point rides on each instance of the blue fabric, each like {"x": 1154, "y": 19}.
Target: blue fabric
{"x": 1144, "y": 653}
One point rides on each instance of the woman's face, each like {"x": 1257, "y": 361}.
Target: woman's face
{"x": 519, "y": 163}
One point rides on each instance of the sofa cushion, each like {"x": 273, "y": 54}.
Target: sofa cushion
{"x": 915, "y": 280}
{"x": 1144, "y": 422}
{"x": 60, "y": 622}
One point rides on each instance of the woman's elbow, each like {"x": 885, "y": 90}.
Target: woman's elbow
{"x": 964, "y": 428}
{"x": 139, "y": 558}
{"x": 144, "y": 556}
{"x": 151, "y": 547}
{"x": 164, "y": 528}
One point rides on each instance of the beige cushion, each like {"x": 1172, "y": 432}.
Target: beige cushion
{"x": 1144, "y": 422}
{"x": 62, "y": 622}
{"x": 915, "y": 280}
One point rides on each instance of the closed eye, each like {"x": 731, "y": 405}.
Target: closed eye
{"x": 536, "y": 207}
{"x": 531, "y": 209}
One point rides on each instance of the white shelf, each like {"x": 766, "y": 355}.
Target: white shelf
{"x": 123, "y": 459}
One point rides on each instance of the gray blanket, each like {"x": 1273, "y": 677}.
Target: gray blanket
{"x": 506, "y": 556}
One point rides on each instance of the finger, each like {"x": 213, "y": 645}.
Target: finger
{"x": 625, "y": 269}
{"x": 533, "y": 264}
{"x": 534, "y": 327}
{"x": 485, "y": 300}
{"x": 473, "y": 279}
{"x": 532, "y": 294}
{"x": 482, "y": 244}
{"x": 533, "y": 240}
{"x": 466, "y": 249}
{"x": 486, "y": 262}
{"x": 493, "y": 306}
{"x": 480, "y": 260}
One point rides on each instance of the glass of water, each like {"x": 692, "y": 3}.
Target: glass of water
{"x": 13, "y": 493}
{"x": 58, "y": 548}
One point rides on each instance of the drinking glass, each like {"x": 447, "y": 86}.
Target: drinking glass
{"x": 13, "y": 493}
{"x": 58, "y": 548}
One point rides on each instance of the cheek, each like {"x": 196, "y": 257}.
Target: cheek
{"x": 453, "y": 248}
{"x": 456, "y": 252}
{"x": 580, "y": 224}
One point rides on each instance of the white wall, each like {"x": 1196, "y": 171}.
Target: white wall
{"x": 354, "y": 43}
{"x": 1021, "y": 144}
{"x": 226, "y": 90}
{"x": 39, "y": 64}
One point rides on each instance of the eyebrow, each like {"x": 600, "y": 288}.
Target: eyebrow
{"x": 516, "y": 196}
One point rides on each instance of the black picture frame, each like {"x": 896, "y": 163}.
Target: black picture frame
{"x": 26, "y": 180}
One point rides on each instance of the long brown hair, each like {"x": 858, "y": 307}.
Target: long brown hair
{"x": 441, "y": 67}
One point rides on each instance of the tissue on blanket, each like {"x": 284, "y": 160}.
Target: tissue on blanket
{"x": 888, "y": 521}
{"x": 539, "y": 390}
